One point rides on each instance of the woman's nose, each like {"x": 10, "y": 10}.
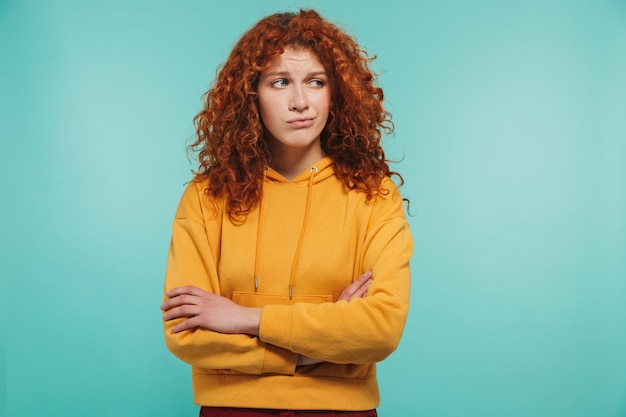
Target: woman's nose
{"x": 299, "y": 100}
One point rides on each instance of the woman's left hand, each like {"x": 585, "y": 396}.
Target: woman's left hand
{"x": 209, "y": 311}
{"x": 358, "y": 289}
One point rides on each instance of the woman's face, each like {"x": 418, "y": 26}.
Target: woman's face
{"x": 294, "y": 101}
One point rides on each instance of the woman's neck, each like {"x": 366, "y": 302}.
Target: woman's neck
{"x": 291, "y": 162}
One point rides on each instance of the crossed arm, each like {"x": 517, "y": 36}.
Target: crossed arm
{"x": 203, "y": 309}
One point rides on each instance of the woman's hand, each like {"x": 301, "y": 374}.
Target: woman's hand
{"x": 209, "y": 311}
{"x": 358, "y": 289}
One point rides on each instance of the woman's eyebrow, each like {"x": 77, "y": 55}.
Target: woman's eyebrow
{"x": 287, "y": 74}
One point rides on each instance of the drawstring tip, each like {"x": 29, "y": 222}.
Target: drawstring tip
{"x": 290, "y": 292}
{"x": 256, "y": 282}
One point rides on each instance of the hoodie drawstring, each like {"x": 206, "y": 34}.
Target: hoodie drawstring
{"x": 258, "y": 246}
{"x": 305, "y": 221}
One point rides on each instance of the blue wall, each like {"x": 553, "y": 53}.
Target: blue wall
{"x": 511, "y": 126}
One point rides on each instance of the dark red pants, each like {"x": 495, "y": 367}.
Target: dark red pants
{"x": 253, "y": 412}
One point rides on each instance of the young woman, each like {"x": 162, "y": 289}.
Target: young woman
{"x": 288, "y": 274}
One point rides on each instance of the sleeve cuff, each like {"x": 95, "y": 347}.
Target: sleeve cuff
{"x": 275, "y": 330}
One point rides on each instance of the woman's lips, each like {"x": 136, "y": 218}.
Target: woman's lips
{"x": 301, "y": 122}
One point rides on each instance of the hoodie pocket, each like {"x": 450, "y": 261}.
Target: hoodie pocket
{"x": 253, "y": 299}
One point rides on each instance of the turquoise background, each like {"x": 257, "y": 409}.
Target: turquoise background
{"x": 511, "y": 127}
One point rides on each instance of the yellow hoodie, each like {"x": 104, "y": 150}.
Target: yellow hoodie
{"x": 294, "y": 254}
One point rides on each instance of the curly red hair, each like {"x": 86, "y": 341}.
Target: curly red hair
{"x": 231, "y": 147}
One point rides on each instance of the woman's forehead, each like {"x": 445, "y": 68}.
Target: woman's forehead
{"x": 295, "y": 57}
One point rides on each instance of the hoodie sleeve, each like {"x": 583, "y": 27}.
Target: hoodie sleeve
{"x": 364, "y": 330}
{"x": 192, "y": 261}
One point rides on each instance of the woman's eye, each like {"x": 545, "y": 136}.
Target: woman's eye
{"x": 317, "y": 83}
{"x": 282, "y": 83}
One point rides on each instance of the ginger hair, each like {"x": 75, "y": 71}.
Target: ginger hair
{"x": 231, "y": 144}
